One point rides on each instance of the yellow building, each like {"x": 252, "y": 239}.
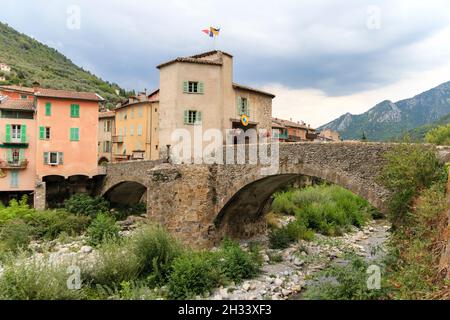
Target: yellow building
{"x": 136, "y": 128}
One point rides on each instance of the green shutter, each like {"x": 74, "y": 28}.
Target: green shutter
{"x": 8, "y": 133}
{"x": 185, "y": 86}
{"x": 186, "y": 116}
{"x": 23, "y": 133}
{"x": 74, "y": 134}
{"x": 247, "y": 107}
{"x": 71, "y": 134}
{"x": 238, "y": 105}
{"x": 201, "y": 87}
{"x": 21, "y": 155}
{"x": 199, "y": 117}
{"x": 48, "y": 109}
{"x": 41, "y": 133}
{"x": 60, "y": 158}
{"x": 74, "y": 110}
{"x": 45, "y": 157}
{"x": 9, "y": 155}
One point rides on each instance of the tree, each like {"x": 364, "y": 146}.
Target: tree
{"x": 364, "y": 138}
{"x": 439, "y": 135}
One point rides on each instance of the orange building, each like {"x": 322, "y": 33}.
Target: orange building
{"x": 17, "y": 92}
{"x": 56, "y": 133}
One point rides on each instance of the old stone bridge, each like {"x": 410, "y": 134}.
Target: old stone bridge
{"x": 201, "y": 203}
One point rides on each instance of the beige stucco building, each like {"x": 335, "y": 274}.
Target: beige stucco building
{"x": 106, "y": 129}
{"x": 200, "y": 90}
{"x": 136, "y": 128}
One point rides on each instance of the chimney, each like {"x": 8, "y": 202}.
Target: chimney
{"x": 36, "y": 86}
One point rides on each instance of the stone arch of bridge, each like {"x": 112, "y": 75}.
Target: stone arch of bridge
{"x": 246, "y": 203}
{"x": 126, "y": 191}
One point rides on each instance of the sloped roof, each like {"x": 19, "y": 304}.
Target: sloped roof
{"x": 241, "y": 87}
{"x": 107, "y": 114}
{"x": 17, "y": 88}
{"x": 292, "y": 124}
{"x": 17, "y": 104}
{"x": 199, "y": 58}
{"x": 66, "y": 94}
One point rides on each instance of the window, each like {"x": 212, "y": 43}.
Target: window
{"x": 44, "y": 133}
{"x": 16, "y": 133}
{"x": 131, "y": 130}
{"x": 23, "y": 96}
{"x": 192, "y": 117}
{"x": 140, "y": 112}
{"x": 139, "y": 130}
{"x": 124, "y": 115}
{"x": 75, "y": 110}
{"x": 242, "y": 106}
{"x": 107, "y": 126}
{"x": 132, "y": 113}
{"x": 74, "y": 134}
{"x": 107, "y": 146}
{"x": 193, "y": 87}
{"x": 48, "y": 109}
{"x": 53, "y": 158}
{"x": 14, "y": 179}
{"x": 120, "y": 132}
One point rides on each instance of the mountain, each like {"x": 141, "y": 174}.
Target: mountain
{"x": 388, "y": 120}
{"x": 418, "y": 134}
{"x": 32, "y": 61}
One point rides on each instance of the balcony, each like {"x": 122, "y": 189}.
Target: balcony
{"x": 9, "y": 140}
{"x": 117, "y": 139}
{"x": 14, "y": 165}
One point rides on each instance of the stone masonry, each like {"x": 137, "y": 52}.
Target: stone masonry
{"x": 200, "y": 203}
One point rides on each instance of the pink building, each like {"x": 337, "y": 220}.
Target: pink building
{"x": 49, "y": 145}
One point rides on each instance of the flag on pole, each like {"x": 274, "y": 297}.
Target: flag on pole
{"x": 212, "y": 32}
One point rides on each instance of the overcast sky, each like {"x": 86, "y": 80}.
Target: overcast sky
{"x": 322, "y": 58}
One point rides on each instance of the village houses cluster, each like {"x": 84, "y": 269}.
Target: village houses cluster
{"x": 53, "y": 143}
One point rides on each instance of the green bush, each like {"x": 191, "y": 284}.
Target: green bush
{"x": 15, "y": 234}
{"x": 84, "y": 204}
{"x": 410, "y": 168}
{"x": 237, "y": 264}
{"x": 439, "y": 135}
{"x": 103, "y": 227}
{"x": 49, "y": 224}
{"x": 155, "y": 249}
{"x": 116, "y": 262}
{"x": 345, "y": 282}
{"x": 16, "y": 209}
{"x": 28, "y": 279}
{"x": 194, "y": 273}
{"x": 283, "y": 237}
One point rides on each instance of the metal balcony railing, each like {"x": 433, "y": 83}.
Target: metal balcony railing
{"x": 20, "y": 164}
{"x": 10, "y": 139}
{"x": 117, "y": 139}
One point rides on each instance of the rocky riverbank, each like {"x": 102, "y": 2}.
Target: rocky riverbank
{"x": 285, "y": 272}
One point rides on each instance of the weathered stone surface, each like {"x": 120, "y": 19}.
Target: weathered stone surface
{"x": 201, "y": 203}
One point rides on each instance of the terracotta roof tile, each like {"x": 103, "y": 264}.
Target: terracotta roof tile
{"x": 107, "y": 114}
{"x": 66, "y": 94}
{"x": 17, "y": 104}
{"x": 239, "y": 86}
{"x": 17, "y": 88}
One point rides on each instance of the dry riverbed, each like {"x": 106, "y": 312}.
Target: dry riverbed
{"x": 285, "y": 272}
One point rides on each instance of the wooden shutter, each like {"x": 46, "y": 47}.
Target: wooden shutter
{"x": 238, "y": 105}
{"x": 198, "y": 118}
{"x": 201, "y": 87}
{"x": 247, "y": 107}
{"x": 48, "y": 109}
{"x": 185, "y": 86}
{"x": 72, "y": 110}
{"x": 8, "y": 133}
{"x": 21, "y": 155}
{"x": 46, "y": 157}
{"x": 9, "y": 155}
{"x": 60, "y": 158}
{"x": 77, "y": 134}
{"x": 71, "y": 134}
{"x": 23, "y": 133}
{"x": 77, "y": 110}
{"x": 186, "y": 116}
{"x": 41, "y": 133}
